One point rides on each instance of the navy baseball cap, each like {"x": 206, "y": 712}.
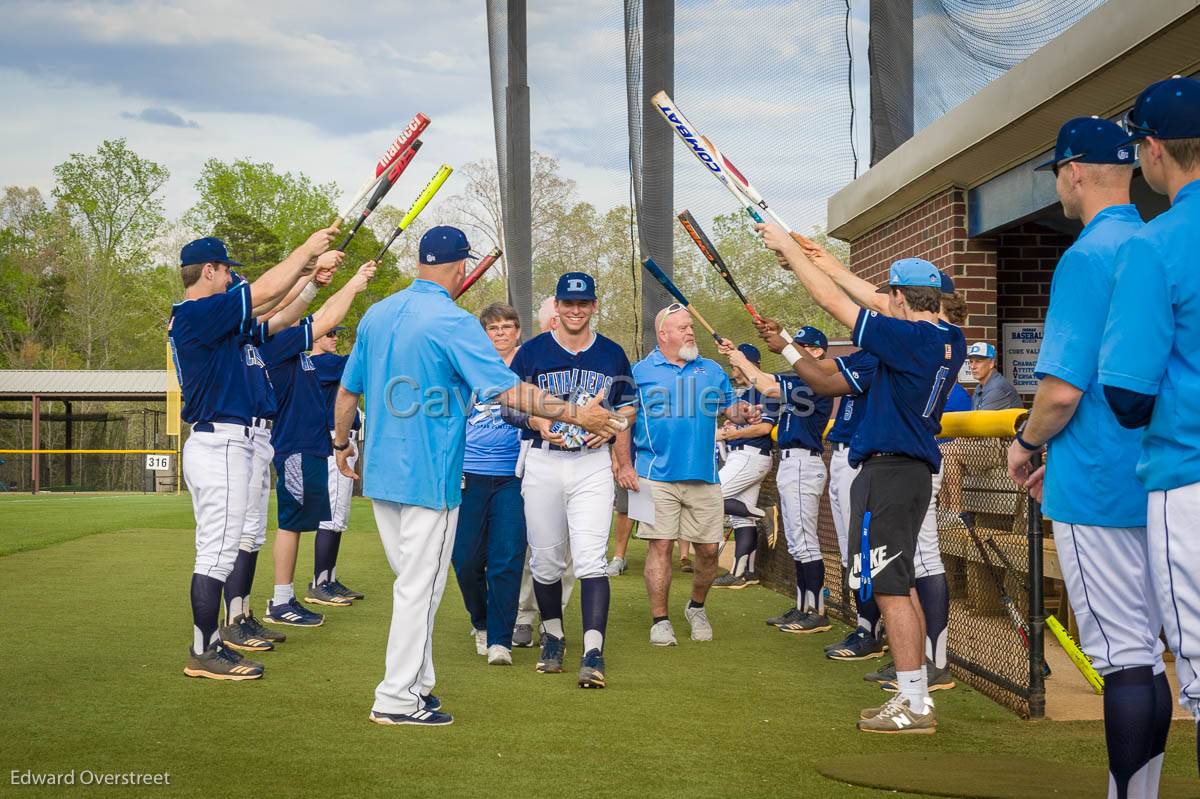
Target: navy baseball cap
{"x": 1168, "y": 109}
{"x": 337, "y": 329}
{"x": 1090, "y": 140}
{"x": 947, "y": 284}
{"x": 811, "y": 336}
{"x": 576, "y": 286}
{"x": 912, "y": 272}
{"x": 208, "y": 250}
{"x": 444, "y": 244}
{"x": 751, "y": 352}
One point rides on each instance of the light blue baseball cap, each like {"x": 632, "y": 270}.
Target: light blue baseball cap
{"x": 981, "y": 349}
{"x": 912, "y": 272}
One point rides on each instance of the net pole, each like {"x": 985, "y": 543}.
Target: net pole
{"x": 1037, "y": 611}
{"x": 518, "y": 219}
{"x": 656, "y": 214}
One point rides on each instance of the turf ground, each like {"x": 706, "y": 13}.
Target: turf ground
{"x": 93, "y": 637}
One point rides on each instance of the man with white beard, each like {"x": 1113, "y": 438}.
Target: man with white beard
{"x": 681, "y": 395}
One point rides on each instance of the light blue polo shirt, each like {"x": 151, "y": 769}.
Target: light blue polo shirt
{"x": 418, "y": 359}
{"x": 1152, "y": 339}
{"x": 676, "y": 428}
{"x": 1090, "y": 464}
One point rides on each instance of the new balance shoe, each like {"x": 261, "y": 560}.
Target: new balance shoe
{"x": 550, "y": 661}
{"x": 896, "y": 716}
{"x": 939, "y": 679}
{"x": 499, "y": 655}
{"x": 481, "y": 647}
{"x": 789, "y": 616}
{"x": 861, "y": 646}
{"x": 256, "y": 626}
{"x": 697, "y": 619}
{"x": 591, "y": 670}
{"x": 885, "y": 674}
{"x": 430, "y": 702}
{"x": 616, "y": 567}
{"x": 811, "y": 623}
{"x": 293, "y": 614}
{"x": 421, "y": 718}
{"x": 523, "y": 635}
{"x": 219, "y": 662}
{"x": 662, "y": 633}
{"x": 730, "y": 580}
{"x": 342, "y": 590}
{"x": 324, "y": 594}
{"x": 239, "y": 635}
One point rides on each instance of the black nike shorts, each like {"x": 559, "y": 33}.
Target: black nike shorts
{"x": 896, "y": 490}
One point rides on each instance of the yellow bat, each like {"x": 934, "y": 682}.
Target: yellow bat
{"x": 1081, "y": 661}
{"x": 431, "y": 188}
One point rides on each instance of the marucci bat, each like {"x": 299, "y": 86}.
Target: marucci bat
{"x": 381, "y": 190}
{"x": 393, "y": 153}
{"x": 431, "y": 188}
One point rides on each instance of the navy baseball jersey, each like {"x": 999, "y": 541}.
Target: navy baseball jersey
{"x": 918, "y": 365}
{"x": 802, "y": 414}
{"x": 329, "y": 367}
{"x": 300, "y": 418}
{"x": 770, "y": 413}
{"x": 206, "y": 338}
{"x": 601, "y": 368}
{"x": 261, "y": 390}
{"x": 859, "y": 370}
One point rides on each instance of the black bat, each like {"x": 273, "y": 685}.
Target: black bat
{"x": 713, "y": 257}
{"x": 381, "y": 190}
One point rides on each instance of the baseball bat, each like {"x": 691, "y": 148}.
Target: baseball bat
{"x": 713, "y": 257}
{"x": 669, "y": 284}
{"x": 381, "y": 190}
{"x": 484, "y": 264}
{"x": 395, "y": 150}
{"x": 1077, "y": 655}
{"x": 431, "y": 188}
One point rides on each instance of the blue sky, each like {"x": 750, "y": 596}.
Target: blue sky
{"x": 322, "y": 88}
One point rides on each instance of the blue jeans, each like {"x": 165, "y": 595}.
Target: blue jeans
{"x": 489, "y": 553}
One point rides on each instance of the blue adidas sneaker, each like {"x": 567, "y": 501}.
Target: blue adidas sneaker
{"x": 430, "y": 702}
{"x": 860, "y": 646}
{"x": 551, "y": 659}
{"x": 420, "y": 718}
{"x": 292, "y": 613}
{"x": 591, "y": 670}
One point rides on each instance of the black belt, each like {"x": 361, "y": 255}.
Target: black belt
{"x": 262, "y": 424}
{"x": 838, "y": 446}
{"x": 892, "y": 455}
{"x": 762, "y": 450}
{"x": 542, "y": 443}
{"x": 783, "y": 451}
{"x": 207, "y": 427}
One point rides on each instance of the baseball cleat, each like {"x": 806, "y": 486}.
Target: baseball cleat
{"x": 238, "y": 634}
{"x": 591, "y": 670}
{"x": 421, "y": 718}
{"x": 324, "y": 594}
{"x": 550, "y": 661}
{"x": 219, "y": 662}
{"x": 481, "y": 647}
{"x": 341, "y": 590}
{"x": 811, "y": 623}
{"x": 862, "y": 647}
{"x": 430, "y": 702}
{"x": 293, "y": 614}
{"x": 499, "y": 655}
{"x": 897, "y": 716}
{"x": 789, "y": 616}
{"x": 523, "y": 635}
{"x": 257, "y": 627}
{"x": 939, "y": 679}
{"x": 662, "y": 633}
{"x": 730, "y": 580}
{"x": 698, "y": 620}
{"x": 617, "y": 567}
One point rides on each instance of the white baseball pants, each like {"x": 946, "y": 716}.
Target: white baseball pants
{"x": 217, "y": 469}
{"x": 417, "y": 542}
{"x": 254, "y": 530}
{"x": 841, "y": 475}
{"x": 568, "y": 506}
{"x": 341, "y": 491}
{"x": 801, "y": 481}
{"x": 741, "y": 478}
{"x": 1173, "y": 538}
{"x": 927, "y": 560}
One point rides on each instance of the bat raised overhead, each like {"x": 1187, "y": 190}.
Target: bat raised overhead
{"x": 395, "y": 150}
{"x": 672, "y": 289}
{"x": 712, "y": 256}
{"x": 381, "y": 190}
{"x": 484, "y": 264}
{"x": 431, "y": 188}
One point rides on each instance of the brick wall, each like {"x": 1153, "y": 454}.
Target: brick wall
{"x": 1027, "y": 258}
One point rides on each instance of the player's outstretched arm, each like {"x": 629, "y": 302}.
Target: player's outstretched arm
{"x": 327, "y": 264}
{"x": 593, "y": 416}
{"x": 861, "y": 291}
{"x": 345, "y": 410}
{"x": 766, "y": 384}
{"x": 334, "y": 310}
{"x": 276, "y": 282}
{"x": 819, "y": 285}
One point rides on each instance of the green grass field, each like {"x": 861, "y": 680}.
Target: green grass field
{"x": 95, "y": 627}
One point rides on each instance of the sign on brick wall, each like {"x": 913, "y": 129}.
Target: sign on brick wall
{"x": 1021, "y": 343}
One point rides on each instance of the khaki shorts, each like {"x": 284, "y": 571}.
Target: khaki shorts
{"x": 690, "y": 510}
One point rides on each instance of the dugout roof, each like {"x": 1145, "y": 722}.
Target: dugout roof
{"x": 84, "y": 384}
{"x": 1097, "y": 66}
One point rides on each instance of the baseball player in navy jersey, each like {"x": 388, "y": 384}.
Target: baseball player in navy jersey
{"x": 746, "y": 465}
{"x": 206, "y": 333}
{"x": 413, "y": 350}
{"x": 1149, "y": 362}
{"x": 329, "y": 366}
{"x": 1090, "y": 488}
{"x": 568, "y": 476}
{"x": 919, "y": 355}
{"x": 302, "y": 447}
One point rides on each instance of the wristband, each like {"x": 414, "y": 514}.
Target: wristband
{"x": 1026, "y": 444}
{"x": 342, "y": 447}
{"x": 791, "y": 353}
{"x": 309, "y": 292}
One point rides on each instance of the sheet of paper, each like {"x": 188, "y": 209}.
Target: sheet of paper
{"x": 641, "y": 505}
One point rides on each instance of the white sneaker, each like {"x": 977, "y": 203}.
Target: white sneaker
{"x": 499, "y": 655}
{"x": 698, "y": 619}
{"x": 481, "y": 647}
{"x": 663, "y": 634}
{"x": 617, "y": 567}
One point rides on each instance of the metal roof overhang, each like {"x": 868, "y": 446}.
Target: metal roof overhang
{"x": 84, "y": 384}
{"x": 1098, "y": 66}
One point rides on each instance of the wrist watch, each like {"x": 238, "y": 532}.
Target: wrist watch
{"x": 342, "y": 447}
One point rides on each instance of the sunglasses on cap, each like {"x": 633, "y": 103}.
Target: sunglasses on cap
{"x": 670, "y": 309}
{"x": 1135, "y": 129}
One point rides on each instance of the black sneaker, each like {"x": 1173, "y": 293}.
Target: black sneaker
{"x": 421, "y": 718}
{"x": 324, "y": 594}
{"x": 751, "y": 578}
{"x": 790, "y": 616}
{"x": 811, "y": 623}
{"x": 241, "y": 636}
{"x": 219, "y": 662}
{"x": 257, "y": 627}
{"x": 730, "y": 580}
{"x": 885, "y": 674}
{"x": 342, "y": 590}
{"x": 591, "y": 670}
{"x": 862, "y": 647}
{"x": 842, "y": 643}
{"x": 551, "y": 659}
